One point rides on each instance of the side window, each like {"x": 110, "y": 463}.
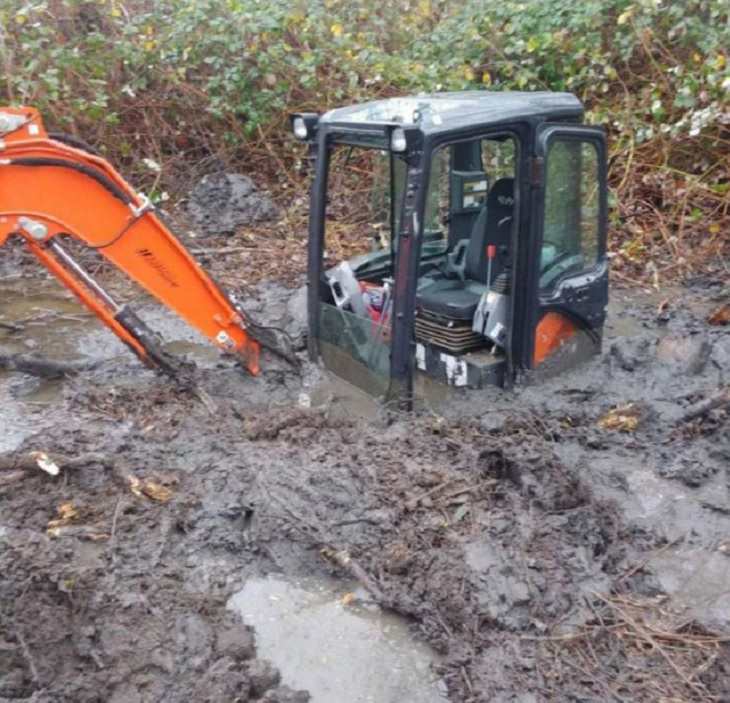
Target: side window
{"x": 572, "y": 210}
{"x": 498, "y": 157}
{"x": 437, "y": 203}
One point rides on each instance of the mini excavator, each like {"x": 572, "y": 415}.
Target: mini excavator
{"x": 484, "y": 260}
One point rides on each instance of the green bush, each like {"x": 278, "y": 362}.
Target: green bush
{"x": 180, "y": 81}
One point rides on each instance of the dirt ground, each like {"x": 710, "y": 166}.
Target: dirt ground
{"x": 567, "y": 540}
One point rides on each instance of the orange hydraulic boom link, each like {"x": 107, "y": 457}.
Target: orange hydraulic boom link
{"x": 50, "y": 188}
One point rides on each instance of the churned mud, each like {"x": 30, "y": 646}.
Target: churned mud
{"x": 563, "y": 540}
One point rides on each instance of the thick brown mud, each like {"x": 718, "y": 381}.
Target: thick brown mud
{"x": 540, "y": 551}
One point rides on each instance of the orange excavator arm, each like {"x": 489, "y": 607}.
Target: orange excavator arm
{"x": 49, "y": 188}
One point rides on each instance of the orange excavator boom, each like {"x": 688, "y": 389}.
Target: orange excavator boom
{"x": 50, "y": 189}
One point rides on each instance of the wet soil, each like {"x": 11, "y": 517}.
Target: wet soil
{"x": 541, "y": 552}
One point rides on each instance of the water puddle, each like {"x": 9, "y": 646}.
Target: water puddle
{"x": 337, "y": 652}
{"x": 50, "y": 323}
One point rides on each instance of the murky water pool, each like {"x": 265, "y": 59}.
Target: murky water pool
{"x": 337, "y": 652}
{"x": 48, "y": 321}
{"x": 39, "y": 318}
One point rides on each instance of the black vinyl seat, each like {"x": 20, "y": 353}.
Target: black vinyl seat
{"x": 457, "y": 297}
{"x": 456, "y": 300}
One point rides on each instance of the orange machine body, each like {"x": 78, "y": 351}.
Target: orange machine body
{"x": 552, "y": 332}
{"x": 72, "y": 192}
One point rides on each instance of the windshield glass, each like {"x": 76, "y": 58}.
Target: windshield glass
{"x": 435, "y": 233}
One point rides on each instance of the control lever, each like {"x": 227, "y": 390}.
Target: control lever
{"x": 491, "y": 253}
{"x": 483, "y": 308}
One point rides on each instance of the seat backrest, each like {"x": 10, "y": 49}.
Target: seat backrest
{"x": 493, "y": 226}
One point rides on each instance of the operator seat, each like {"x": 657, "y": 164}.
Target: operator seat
{"x": 457, "y": 297}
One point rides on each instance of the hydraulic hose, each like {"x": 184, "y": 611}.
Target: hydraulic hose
{"x": 72, "y": 141}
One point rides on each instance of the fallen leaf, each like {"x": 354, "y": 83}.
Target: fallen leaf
{"x": 97, "y": 536}
{"x": 348, "y": 598}
{"x": 135, "y": 485}
{"x": 79, "y": 531}
{"x": 156, "y": 491}
{"x": 67, "y": 513}
{"x": 624, "y": 418}
{"x": 721, "y": 316}
{"x": 149, "y": 489}
{"x": 45, "y": 463}
{"x": 63, "y": 525}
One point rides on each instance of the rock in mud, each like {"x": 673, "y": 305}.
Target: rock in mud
{"x": 223, "y": 681}
{"x": 222, "y": 202}
{"x": 263, "y": 674}
{"x": 235, "y": 640}
{"x": 280, "y": 308}
{"x": 297, "y": 311}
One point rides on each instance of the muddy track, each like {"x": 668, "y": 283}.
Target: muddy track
{"x": 535, "y": 543}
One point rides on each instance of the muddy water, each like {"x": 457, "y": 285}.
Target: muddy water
{"x": 42, "y": 328}
{"x": 337, "y": 652}
{"x": 50, "y": 323}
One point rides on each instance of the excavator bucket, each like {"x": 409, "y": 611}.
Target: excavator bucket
{"x": 51, "y": 188}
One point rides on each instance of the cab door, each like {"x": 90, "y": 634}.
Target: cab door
{"x": 570, "y": 266}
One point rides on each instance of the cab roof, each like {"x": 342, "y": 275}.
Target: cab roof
{"x": 444, "y": 112}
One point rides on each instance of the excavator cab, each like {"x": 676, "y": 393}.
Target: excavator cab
{"x": 456, "y": 236}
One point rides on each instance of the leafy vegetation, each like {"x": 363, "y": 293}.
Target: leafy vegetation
{"x": 182, "y": 82}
